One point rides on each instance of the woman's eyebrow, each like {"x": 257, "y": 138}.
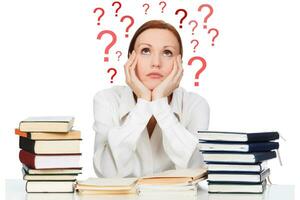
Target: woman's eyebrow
{"x": 170, "y": 46}
{"x": 166, "y": 46}
{"x": 145, "y": 44}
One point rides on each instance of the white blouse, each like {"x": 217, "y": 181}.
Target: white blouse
{"x": 122, "y": 144}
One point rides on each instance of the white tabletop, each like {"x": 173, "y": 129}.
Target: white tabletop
{"x": 15, "y": 190}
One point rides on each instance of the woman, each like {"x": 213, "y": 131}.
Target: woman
{"x": 149, "y": 126}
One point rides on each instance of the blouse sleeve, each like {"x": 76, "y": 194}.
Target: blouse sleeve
{"x": 181, "y": 143}
{"x": 115, "y": 146}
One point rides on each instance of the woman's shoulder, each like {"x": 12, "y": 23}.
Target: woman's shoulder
{"x": 192, "y": 99}
{"x": 111, "y": 93}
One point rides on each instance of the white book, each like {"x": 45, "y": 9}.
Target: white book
{"x": 107, "y": 185}
{"x": 47, "y": 124}
{"x": 50, "y": 186}
{"x": 34, "y": 161}
{"x": 257, "y": 167}
{"x": 50, "y": 196}
{"x": 236, "y": 188}
{"x": 238, "y": 177}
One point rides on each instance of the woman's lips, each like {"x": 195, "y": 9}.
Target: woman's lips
{"x": 155, "y": 75}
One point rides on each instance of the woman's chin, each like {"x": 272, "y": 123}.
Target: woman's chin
{"x": 151, "y": 86}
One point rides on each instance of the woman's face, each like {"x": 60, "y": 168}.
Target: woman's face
{"x": 156, "y": 50}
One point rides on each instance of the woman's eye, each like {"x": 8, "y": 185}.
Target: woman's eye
{"x": 168, "y": 53}
{"x": 145, "y": 51}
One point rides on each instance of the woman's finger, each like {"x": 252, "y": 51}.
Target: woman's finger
{"x": 180, "y": 69}
{"x": 132, "y": 68}
{"x": 127, "y": 66}
{"x": 131, "y": 59}
{"x": 174, "y": 70}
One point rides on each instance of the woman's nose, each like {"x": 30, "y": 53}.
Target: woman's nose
{"x": 155, "y": 61}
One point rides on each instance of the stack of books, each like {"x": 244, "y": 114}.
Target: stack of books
{"x": 177, "y": 183}
{"x": 107, "y": 186}
{"x": 237, "y": 161}
{"x": 50, "y": 153}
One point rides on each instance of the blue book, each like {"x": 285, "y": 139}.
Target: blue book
{"x": 238, "y": 147}
{"x": 233, "y": 157}
{"x": 237, "y": 136}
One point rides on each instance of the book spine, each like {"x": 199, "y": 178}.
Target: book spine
{"x": 264, "y": 156}
{"x": 264, "y": 136}
{"x": 27, "y": 144}
{"x": 263, "y": 146}
{"x": 27, "y": 159}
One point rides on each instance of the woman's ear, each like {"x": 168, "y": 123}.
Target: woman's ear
{"x": 129, "y": 54}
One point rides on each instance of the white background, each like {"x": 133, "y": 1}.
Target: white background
{"x": 52, "y": 64}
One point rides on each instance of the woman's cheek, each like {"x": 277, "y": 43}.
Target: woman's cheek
{"x": 141, "y": 69}
{"x": 168, "y": 66}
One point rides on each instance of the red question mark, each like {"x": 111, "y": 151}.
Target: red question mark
{"x": 201, "y": 69}
{"x": 120, "y": 54}
{"x": 114, "y": 39}
{"x": 117, "y": 10}
{"x": 148, "y": 6}
{"x": 130, "y": 24}
{"x": 216, "y": 35}
{"x": 165, "y": 4}
{"x": 184, "y": 16}
{"x": 112, "y": 77}
{"x": 211, "y": 10}
{"x": 197, "y": 43}
{"x": 102, "y": 13}
{"x": 196, "y": 25}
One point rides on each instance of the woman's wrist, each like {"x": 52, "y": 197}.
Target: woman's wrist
{"x": 156, "y": 96}
{"x": 146, "y": 97}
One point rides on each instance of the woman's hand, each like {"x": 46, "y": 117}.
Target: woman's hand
{"x": 132, "y": 81}
{"x": 171, "y": 82}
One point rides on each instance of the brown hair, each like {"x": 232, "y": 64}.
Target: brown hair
{"x": 158, "y": 24}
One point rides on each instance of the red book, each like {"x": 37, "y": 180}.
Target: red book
{"x": 35, "y": 161}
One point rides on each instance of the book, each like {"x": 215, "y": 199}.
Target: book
{"x": 181, "y": 182}
{"x": 238, "y": 196}
{"x": 253, "y": 177}
{"x": 107, "y": 186}
{"x": 50, "y": 146}
{"x": 238, "y": 147}
{"x": 236, "y": 187}
{"x": 71, "y": 135}
{"x": 254, "y": 157}
{"x": 48, "y": 177}
{"x": 233, "y": 167}
{"x": 49, "y": 186}
{"x": 175, "y": 176}
{"x": 71, "y": 171}
{"x": 237, "y": 136}
{"x": 50, "y": 196}
{"x": 187, "y": 192}
{"x": 47, "y": 124}
{"x": 177, "y": 181}
{"x": 35, "y": 161}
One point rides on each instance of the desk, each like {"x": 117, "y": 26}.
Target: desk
{"x": 15, "y": 190}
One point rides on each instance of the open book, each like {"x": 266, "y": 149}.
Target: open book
{"x": 179, "y": 176}
{"x": 107, "y": 185}
{"x": 180, "y": 179}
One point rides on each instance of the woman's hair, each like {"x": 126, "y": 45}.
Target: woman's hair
{"x": 155, "y": 24}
